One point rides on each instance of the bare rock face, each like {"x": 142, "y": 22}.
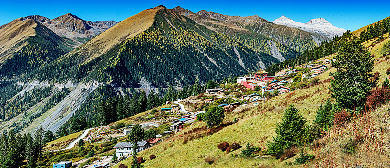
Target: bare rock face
{"x": 72, "y": 27}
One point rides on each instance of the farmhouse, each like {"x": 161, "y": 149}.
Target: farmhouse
{"x": 124, "y": 149}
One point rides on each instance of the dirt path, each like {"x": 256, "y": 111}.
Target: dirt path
{"x": 71, "y": 145}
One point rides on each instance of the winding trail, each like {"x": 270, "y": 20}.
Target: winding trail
{"x": 71, "y": 145}
{"x": 181, "y": 106}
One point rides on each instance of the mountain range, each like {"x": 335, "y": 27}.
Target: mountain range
{"x": 67, "y": 61}
{"x": 319, "y": 26}
{"x": 72, "y": 27}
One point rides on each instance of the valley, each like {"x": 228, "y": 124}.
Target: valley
{"x": 192, "y": 89}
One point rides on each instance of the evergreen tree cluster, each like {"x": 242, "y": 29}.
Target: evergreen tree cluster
{"x": 376, "y": 30}
{"x": 15, "y": 148}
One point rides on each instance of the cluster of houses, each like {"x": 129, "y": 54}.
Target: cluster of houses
{"x": 315, "y": 69}
{"x": 259, "y": 79}
{"x": 278, "y": 85}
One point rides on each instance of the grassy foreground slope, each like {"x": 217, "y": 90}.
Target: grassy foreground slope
{"x": 256, "y": 125}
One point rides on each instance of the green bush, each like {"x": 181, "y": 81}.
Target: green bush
{"x": 214, "y": 116}
{"x": 303, "y": 158}
{"x": 91, "y": 153}
{"x": 250, "y": 150}
{"x": 200, "y": 117}
{"x": 349, "y": 147}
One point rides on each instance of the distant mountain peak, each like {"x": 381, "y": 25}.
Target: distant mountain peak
{"x": 318, "y": 21}
{"x": 37, "y": 18}
{"x": 68, "y": 16}
{"x": 320, "y": 26}
{"x": 283, "y": 18}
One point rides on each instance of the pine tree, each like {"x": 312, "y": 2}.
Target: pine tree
{"x": 30, "y": 152}
{"x": 324, "y": 117}
{"x": 143, "y": 101}
{"x": 289, "y": 132}
{"x": 49, "y": 136}
{"x": 351, "y": 83}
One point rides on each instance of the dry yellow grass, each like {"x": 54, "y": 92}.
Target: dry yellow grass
{"x": 126, "y": 29}
{"x": 12, "y": 34}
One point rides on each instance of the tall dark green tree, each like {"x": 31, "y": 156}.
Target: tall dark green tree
{"x": 324, "y": 117}
{"x": 120, "y": 108}
{"x": 143, "y": 101}
{"x": 351, "y": 83}
{"x": 30, "y": 152}
{"x": 289, "y": 132}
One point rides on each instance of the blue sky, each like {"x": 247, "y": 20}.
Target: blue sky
{"x": 350, "y": 15}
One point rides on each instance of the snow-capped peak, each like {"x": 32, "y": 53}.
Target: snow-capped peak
{"x": 319, "y": 21}
{"x": 319, "y": 26}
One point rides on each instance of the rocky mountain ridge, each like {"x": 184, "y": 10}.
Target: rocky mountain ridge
{"x": 320, "y": 26}
{"x": 294, "y": 38}
{"x": 72, "y": 27}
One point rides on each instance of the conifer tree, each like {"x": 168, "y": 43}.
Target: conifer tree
{"x": 324, "y": 117}
{"x": 289, "y": 132}
{"x": 351, "y": 83}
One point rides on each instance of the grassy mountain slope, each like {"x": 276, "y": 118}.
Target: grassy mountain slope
{"x": 27, "y": 45}
{"x": 172, "y": 51}
{"x": 126, "y": 29}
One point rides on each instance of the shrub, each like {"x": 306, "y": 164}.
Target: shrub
{"x": 250, "y": 150}
{"x": 185, "y": 140}
{"x": 312, "y": 133}
{"x": 153, "y": 111}
{"x": 81, "y": 142}
{"x": 223, "y": 146}
{"x": 314, "y": 80}
{"x": 140, "y": 160}
{"x": 288, "y": 153}
{"x": 386, "y": 83}
{"x": 234, "y": 146}
{"x": 388, "y": 71}
{"x": 214, "y": 116}
{"x": 114, "y": 157}
{"x": 151, "y": 157}
{"x": 122, "y": 166}
{"x": 228, "y": 149}
{"x": 341, "y": 117}
{"x": 378, "y": 97}
{"x": 303, "y": 158}
{"x": 91, "y": 153}
{"x": 200, "y": 117}
{"x": 209, "y": 160}
{"x": 350, "y": 146}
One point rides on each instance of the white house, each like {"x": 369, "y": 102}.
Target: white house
{"x": 126, "y": 148}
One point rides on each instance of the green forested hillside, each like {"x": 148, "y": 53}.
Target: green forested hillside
{"x": 174, "y": 51}
{"x": 40, "y": 50}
